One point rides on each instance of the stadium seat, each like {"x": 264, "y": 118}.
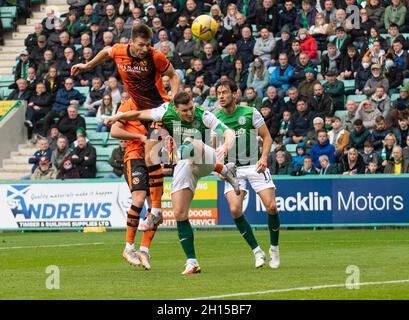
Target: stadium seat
{"x": 5, "y": 92}
{"x": 97, "y": 138}
{"x": 394, "y": 96}
{"x": 8, "y": 16}
{"x": 104, "y": 153}
{"x": 91, "y": 122}
{"x": 83, "y": 90}
{"x": 6, "y": 80}
{"x": 357, "y": 98}
{"x": 340, "y": 113}
{"x": 103, "y": 167}
{"x": 349, "y": 84}
{"x": 291, "y": 148}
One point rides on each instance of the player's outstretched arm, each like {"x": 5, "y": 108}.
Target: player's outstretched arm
{"x": 267, "y": 141}
{"x": 118, "y": 132}
{"x": 174, "y": 80}
{"x": 129, "y": 116}
{"x": 98, "y": 59}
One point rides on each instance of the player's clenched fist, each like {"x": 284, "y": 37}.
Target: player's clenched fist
{"x": 109, "y": 121}
{"x": 78, "y": 68}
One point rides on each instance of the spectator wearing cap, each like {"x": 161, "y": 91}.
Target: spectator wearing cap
{"x": 331, "y": 60}
{"x": 336, "y": 89}
{"x": 69, "y": 124}
{"x": 78, "y": 6}
{"x": 306, "y": 87}
{"x": 44, "y": 171}
{"x": 283, "y": 44}
{"x": 68, "y": 170}
{"x": 377, "y": 79}
{"x": 84, "y": 156}
{"x": 287, "y": 16}
{"x": 95, "y": 35}
{"x": 107, "y": 23}
{"x": 306, "y": 16}
{"x": 37, "y": 54}
{"x": 367, "y": 113}
{"x": 23, "y": 64}
{"x": 312, "y": 134}
{"x": 31, "y": 41}
{"x": 321, "y": 102}
{"x": 322, "y": 147}
{"x": 83, "y": 24}
{"x": 150, "y": 14}
{"x": 45, "y": 65}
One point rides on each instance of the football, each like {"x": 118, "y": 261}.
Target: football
{"x": 204, "y": 27}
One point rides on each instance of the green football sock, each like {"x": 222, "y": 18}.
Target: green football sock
{"x": 186, "y": 238}
{"x": 274, "y": 228}
{"x": 246, "y": 231}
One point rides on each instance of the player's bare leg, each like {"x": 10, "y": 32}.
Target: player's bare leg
{"x": 129, "y": 253}
{"x": 181, "y": 201}
{"x": 268, "y": 198}
{"x": 236, "y": 209}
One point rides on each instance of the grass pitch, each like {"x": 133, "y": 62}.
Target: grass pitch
{"x": 91, "y": 266}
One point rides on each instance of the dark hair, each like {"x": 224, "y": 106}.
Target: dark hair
{"x": 141, "y": 31}
{"x": 321, "y": 130}
{"x": 228, "y": 83}
{"x": 379, "y": 119}
{"x": 358, "y": 122}
{"x": 181, "y": 98}
{"x": 394, "y": 25}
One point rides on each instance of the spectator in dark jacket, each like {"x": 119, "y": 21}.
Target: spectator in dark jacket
{"x": 197, "y": 71}
{"x": 321, "y": 103}
{"x": 358, "y": 135}
{"x": 283, "y": 45}
{"x": 44, "y": 151}
{"x": 280, "y": 166}
{"x": 60, "y": 47}
{"x": 306, "y": 16}
{"x": 192, "y": 10}
{"x": 70, "y": 123}
{"x": 24, "y": 63}
{"x": 266, "y": 16}
{"x": 326, "y": 166}
{"x": 185, "y": 48}
{"x": 239, "y": 74}
{"x": 66, "y": 97}
{"x": 352, "y": 163}
{"x": 393, "y": 73}
{"x": 228, "y": 61}
{"x": 245, "y": 46}
{"x": 68, "y": 170}
{"x": 270, "y": 120}
{"x": 179, "y": 29}
{"x": 64, "y": 66}
{"x": 84, "y": 156}
{"x": 117, "y": 160}
{"x": 211, "y": 62}
{"x": 350, "y": 63}
{"x": 22, "y": 92}
{"x": 169, "y": 16}
{"x": 362, "y": 75}
{"x": 31, "y": 41}
{"x": 60, "y": 153}
{"x": 301, "y": 122}
{"x": 248, "y": 8}
{"x": 287, "y": 15}
{"x": 37, "y": 54}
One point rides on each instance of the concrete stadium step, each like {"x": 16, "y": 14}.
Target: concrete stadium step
{"x": 7, "y": 63}
{"x": 59, "y": 8}
{"x": 12, "y": 49}
{"x": 20, "y": 35}
{"x": 9, "y": 56}
{"x": 16, "y": 160}
{"x": 25, "y": 28}
{"x": 55, "y": 2}
{"x": 27, "y": 148}
{"x": 33, "y": 21}
{"x": 17, "y": 167}
{"x": 6, "y": 70}
{"x": 13, "y": 175}
{"x": 14, "y": 42}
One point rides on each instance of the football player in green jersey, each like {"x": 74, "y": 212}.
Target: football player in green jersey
{"x": 249, "y": 126}
{"x": 190, "y": 127}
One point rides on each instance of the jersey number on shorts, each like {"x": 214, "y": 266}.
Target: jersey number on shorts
{"x": 267, "y": 176}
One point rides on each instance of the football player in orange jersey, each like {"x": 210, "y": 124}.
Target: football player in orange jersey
{"x": 140, "y": 67}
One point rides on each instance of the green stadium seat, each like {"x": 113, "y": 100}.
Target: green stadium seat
{"x": 340, "y": 113}
{"x": 405, "y": 35}
{"x": 291, "y": 148}
{"x": 394, "y": 96}
{"x": 357, "y": 98}
{"x": 6, "y": 80}
{"x": 103, "y": 167}
{"x": 97, "y": 138}
{"x": 5, "y": 92}
{"x": 349, "y": 84}
{"x": 83, "y": 90}
{"x": 8, "y": 16}
{"x": 91, "y": 122}
{"x": 104, "y": 153}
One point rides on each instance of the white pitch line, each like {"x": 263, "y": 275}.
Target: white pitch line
{"x": 325, "y": 286}
{"x": 55, "y": 246}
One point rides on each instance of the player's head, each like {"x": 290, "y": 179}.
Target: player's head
{"x": 226, "y": 93}
{"x": 141, "y": 40}
{"x": 184, "y": 106}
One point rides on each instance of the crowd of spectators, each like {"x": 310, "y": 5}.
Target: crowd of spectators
{"x": 289, "y": 58}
